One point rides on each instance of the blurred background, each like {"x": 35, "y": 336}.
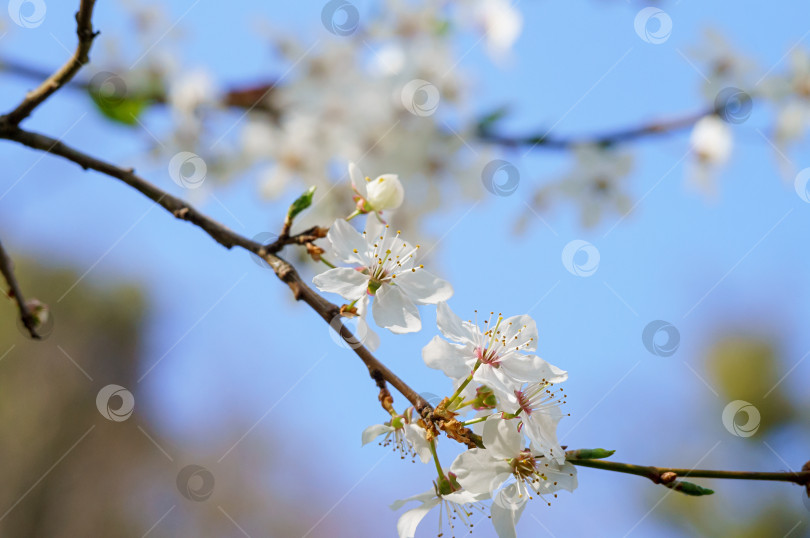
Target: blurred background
{"x": 686, "y": 295}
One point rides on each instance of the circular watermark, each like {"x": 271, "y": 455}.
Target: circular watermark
{"x": 580, "y": 258}
{"x": 44, "y": 317}
{"x": 801, "y": 184}
{"x": 188, "y": 170}
{"x": 500, "y": 177}
{"x": 432, "y": 399}
{"x": 733, "y": 105}
{"x": 509, "y": 498}
{"x": 661, "y": 338}
{"x": 195, "y": 482}
{"x": 27, "y": 13}
{"x": 115, "y": 403}
{"x": 420, "y": 98}
{"x": 264, "y": 238}
{"x": 361, "y": 332}
{"x": 108, "y": 89}
{"x": 741, "y": 408}
{"x": 340, "y": 17}
{"x": 653, "y": 25}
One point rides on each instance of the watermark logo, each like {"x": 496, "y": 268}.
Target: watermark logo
{"x": 580, "y": 258}
{"x": 741, "y": 418}
{"x": 115, "y": 403}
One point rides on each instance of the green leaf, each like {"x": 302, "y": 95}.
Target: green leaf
{"x": 300, "y": 204}
{"x": 590, "y": 454}
{"x": 124, "y": 110}
{"x": 688, "y": 488}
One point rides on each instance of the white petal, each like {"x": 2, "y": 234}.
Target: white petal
{"x": 478, "y": 472}
{"x": 406, "y": 526}
{"x": 347, "y": 282}
{"x": 374, "y": 228}
{"x": 519, "y": 331}
{"x": 449, "y": 358}
{"x": 421, "y": 497}
{"x": 416, "y": 435}
{"x": 358, "y": 180}
{"x": 453, "y": 327}
{"x": 424, "y": 287}
{"x": 507, "y": 509}
{"x": 394, "y": 311}
{"x": 565, "y": 477}
{"x": 541, "y": 428}
{"x": 345, "y": 240}
{"x": 531, "y": 368}
{"x": 499, "y": 380}
{"x": 374, "y": 431}
{"x": 502, "y": 438}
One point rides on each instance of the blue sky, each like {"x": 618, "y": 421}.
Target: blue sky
{"x": 231, "y": 347}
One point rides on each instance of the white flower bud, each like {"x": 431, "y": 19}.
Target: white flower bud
{"x": 385, "y": 192}
{"x": 711, "y": 140}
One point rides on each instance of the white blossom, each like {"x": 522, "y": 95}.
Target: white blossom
{"x": 495, "y": 355}
{"x": 407, "y": 437}
{"x": 505, "y": 461}
{"x": 384, "y": 267}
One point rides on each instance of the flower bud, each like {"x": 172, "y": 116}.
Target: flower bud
{"x": 385, "y": 192}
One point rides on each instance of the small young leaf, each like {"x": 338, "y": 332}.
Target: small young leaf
{"x": 689, "y": 488}
{"x": 590, "y": 454}
{"x": 301, "y": 203}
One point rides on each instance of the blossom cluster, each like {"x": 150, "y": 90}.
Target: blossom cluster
{"x": 508, "y": 395}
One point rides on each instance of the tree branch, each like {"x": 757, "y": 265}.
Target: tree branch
{"x": 84, "y": 29}
{"x": 668, "y": 475}
{"x": 604, "y": 140}
{"x": 7, "y": 270}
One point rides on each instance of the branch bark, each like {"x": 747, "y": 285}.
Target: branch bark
{"x": 664, "y": 475}
{"x": 7, "y": 270}
{"x": 84, "y": 29}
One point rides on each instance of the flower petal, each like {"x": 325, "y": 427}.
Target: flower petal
{"x": 499, "y": 380}
{"x": 357, "y": 178}
{"x": 531, "y": 368}
{"x": 453, "y": 327}
{"x": 519, "y": 331}
{"x": 502, "y": 438}
{"x": 416, "y": 435}
{"x": 424, "y": 287}
{"x": 449, "y": 358}
{"x": 478, "y": 472}
{"x": 406, "y": 526}
{"x": 394, "y": 311}
{"x": 507, "y": 509}
{"x": 374, "y": 431}
{"x": 345, "y": 240}
{"x": 345, "y": 281}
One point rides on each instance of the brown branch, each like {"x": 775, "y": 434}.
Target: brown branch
{"x": 84, "y": 29}
{"x": 666, "y": 475}
{"x": 26, "y": 315}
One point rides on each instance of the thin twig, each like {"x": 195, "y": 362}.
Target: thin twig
{"x": 604, "y": 140}
{"x": 662, "y": 475}
{"x": 7, "y": 270}
{"x": 84, "y": 29}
